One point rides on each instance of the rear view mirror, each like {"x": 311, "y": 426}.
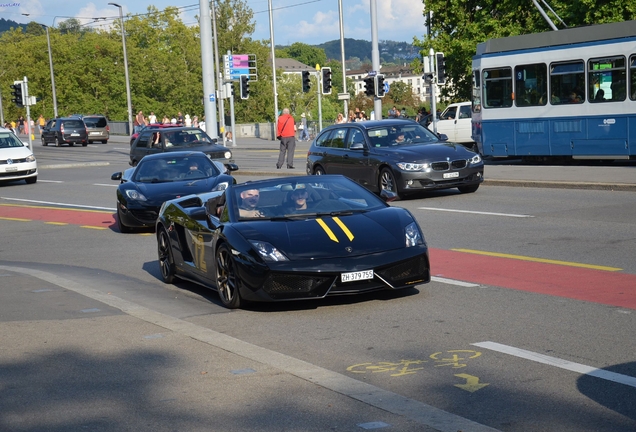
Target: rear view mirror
{"x": 442, "y": 137}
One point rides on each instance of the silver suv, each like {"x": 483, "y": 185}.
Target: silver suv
{"x": 97, "y": 128}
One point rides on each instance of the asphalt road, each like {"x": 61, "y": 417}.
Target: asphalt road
{"x": 527, "y": 324}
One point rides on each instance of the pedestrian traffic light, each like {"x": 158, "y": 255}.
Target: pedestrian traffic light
{"x": 441, "y": 68}
{"x": 326, "y": 80}
{"x": 428, "y": 78}
{"x": 369, "y": 86}
{"x": 379, "y": 86}
{"x": 245, "y": 86}
{"x": 18, "y": 93}
{"x": 306, "y": 82}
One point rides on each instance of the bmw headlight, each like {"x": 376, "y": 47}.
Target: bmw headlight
{"x": 135, "y": 195}
{"x": 267, "y": 251}
{"x": 412, "y": 235}
{"x": 220, "y": 187}
{"x": 409, "y": 166}
{"x": 30, "y": 158}
{"x": 227, "y": 155}
{"x": 475, "y": 159}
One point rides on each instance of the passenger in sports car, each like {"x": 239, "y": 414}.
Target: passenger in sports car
{"x": 297, "y": 201}
{"x": 249, "y": 201}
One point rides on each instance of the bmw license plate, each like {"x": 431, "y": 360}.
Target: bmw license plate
{"x": 451, "y": 174}
{"x": 356, "y": 276}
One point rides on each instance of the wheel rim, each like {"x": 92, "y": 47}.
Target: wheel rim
{"x": 319, "y": 171}
{"x": 165, "y": 256}
{"x": 225, "y": 278}
{"x": 387, "y": 182}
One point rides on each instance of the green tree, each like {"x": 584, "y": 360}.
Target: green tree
{"x": 304, "y": 53}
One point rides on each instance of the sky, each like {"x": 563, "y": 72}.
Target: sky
{"x": 308, "y": 21}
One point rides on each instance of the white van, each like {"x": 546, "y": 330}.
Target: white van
{"x": 455, "y": 122}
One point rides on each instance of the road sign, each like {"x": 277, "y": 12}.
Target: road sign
{"x": 343, "y": 96}
{"x": 212, "y": 98}
{"x": 387, "y": 87}
{"x": 235, "y": 65}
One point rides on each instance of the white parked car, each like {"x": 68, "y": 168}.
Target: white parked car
{"x": 455, "y": 123}
{"x": 16, "y": 159}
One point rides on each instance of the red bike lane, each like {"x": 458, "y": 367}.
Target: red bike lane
{"x": 612, "y": 288}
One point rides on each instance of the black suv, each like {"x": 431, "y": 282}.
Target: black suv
{"x": 153, "y": 140}
{"x": 65, "y": 131}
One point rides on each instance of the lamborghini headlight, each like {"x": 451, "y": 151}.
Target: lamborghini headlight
{"x": 412, "y": 235}
{"x": 267, "y": 251}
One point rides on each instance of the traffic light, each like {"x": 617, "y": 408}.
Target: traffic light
{"x": 326, "y": 80}
{"x": 18, "y": 94}
{"x": 306, "y": 82}
{"x": 379, "y": 86}
{"x": 369, "y": 86}
{"x": 428, "y": 78}
{"x": 441, "y": 68}
{"x": 245, "y": 86}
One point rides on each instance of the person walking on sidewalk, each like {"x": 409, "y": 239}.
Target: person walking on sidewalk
{"x": 304, "y": 133}
{"x": 286, "y": 133}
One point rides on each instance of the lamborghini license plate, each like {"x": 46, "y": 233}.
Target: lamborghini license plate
{"x": 356, "y": 276}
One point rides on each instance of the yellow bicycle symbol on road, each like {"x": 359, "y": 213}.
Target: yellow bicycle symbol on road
{"x": 456, "y": 359}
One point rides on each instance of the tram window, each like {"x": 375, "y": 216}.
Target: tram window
{"x": 567, "y": 82}
{"x": 531, "y": 86}
{"x": 632, "y": 77}
{"x": 476, "y": 91}
{"x": 607, "y": 79}
{"x": 497, "y": 88}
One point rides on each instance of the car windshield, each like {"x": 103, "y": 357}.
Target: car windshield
{"x": 402, "y": 134}
{"x": 175, "y": 169}
{"x": 7, "y": 139}
{"x": 186, "y": 138}
{"x": 301, "y": 198}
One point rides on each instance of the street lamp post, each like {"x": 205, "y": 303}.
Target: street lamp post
{"x": 48, "y": 40}
{"x": 123, "y": 39}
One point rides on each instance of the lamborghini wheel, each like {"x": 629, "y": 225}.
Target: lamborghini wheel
{"x": 166, "y": 260}
{"x": 226, "y": 283}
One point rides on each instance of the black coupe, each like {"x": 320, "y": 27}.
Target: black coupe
{"x": 161, "y": 177}
{"x": 291, "y": 238}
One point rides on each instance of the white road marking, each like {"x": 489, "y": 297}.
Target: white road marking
{"x": 60, "y": 204}
{"x": 104, "y": 184}
{"x": 374, "y": 396}
{"x": 50, "y": 181}
{"x": 560, "y": 363}
{"x": 454, "y": 282}
{"x": 477, "y": 212}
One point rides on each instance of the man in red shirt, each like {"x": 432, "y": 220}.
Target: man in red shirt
{"x": 286, "y": 133}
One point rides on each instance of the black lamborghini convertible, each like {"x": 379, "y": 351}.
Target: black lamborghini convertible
{"x": 291, "y": 238}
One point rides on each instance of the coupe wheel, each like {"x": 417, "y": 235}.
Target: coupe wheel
{"x": 120, "y": 225}
{"x": 387, "y": 181}
{"x": 319, "y": 171}
{"x": 226, "y": 281}
{"x": 166, "y": 260}
{"x": 468, "y": 189}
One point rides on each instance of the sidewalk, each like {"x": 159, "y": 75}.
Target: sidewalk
{"x": 617, "y": 176}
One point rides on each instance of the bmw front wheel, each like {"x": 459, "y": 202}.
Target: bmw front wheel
{"x": 387, "y": 181}
{"x": 226, "y": 280}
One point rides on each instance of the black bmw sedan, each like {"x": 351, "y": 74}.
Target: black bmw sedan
{"x": 396, "y": 155}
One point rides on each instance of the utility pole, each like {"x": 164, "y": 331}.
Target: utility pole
{"x": 375, "y": 56}
{"x": 207, "y": 64}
